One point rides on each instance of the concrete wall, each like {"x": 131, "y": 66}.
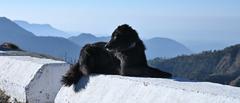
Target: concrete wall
{"x": 28, "y": 78}
{"x": 46, "y": 83}
{"x": 38, "y": 80}
{"x": 119, "y": 89}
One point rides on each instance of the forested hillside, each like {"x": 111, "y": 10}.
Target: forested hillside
{"x": 221, "y": 66}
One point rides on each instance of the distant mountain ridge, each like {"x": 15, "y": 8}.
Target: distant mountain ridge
{"x": 85, "y": 38}
{"x": 156, "y": 47}
{"x": 164, "y": 47}
{"x": 50, "y": 37}
{"x": 54, "y": 46}
{"x": 42, "y": 29}
{"x": 12, "y": 29}
{"x": 222, "y": 66}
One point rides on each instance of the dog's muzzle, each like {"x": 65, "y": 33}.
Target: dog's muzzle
{"x": 108, "y": 47}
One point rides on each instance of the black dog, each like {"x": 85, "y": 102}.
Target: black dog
{"x": 94, "y": 58}
{"x": 130, "y": 50}
{"x": 125, "y": 56}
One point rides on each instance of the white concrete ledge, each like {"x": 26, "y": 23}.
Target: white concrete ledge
{"x": 30, "y": 79}
{"x": 119, "y": 89}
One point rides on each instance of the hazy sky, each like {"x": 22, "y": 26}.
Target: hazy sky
{"x": 182, "y": 20}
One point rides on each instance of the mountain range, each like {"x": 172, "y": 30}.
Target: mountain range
{"x": 10, "y": 29}
{"x": 219, "y": 66}
{"x": 42, "y": 29}
{"x": 54, "y": 46}
{"x": 85, "y": 38}
{"x": 156, "y": 47}
{"x": 43, "y": 38}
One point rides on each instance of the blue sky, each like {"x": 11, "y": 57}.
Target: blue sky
{"x": 182, "y": 20}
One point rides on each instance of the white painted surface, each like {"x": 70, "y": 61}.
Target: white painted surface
{"x": 23, "y": 77}
{"x": 118, "y": 89}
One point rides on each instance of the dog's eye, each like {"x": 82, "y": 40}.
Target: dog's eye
{"x": 115, "y": 37}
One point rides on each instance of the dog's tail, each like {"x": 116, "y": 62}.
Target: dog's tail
{"x": 72, "y": 76}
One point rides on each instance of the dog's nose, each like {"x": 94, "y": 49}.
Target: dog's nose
{"x": 108, "y": 47}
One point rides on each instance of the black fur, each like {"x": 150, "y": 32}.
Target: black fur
{"x": 72, "y": 76}
{"x": 94, "y": 58}
{"x": 130, "y": 50}
{"x": 125, "y": 56}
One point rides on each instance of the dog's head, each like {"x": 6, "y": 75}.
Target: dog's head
{"x": 123, "y": 38}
